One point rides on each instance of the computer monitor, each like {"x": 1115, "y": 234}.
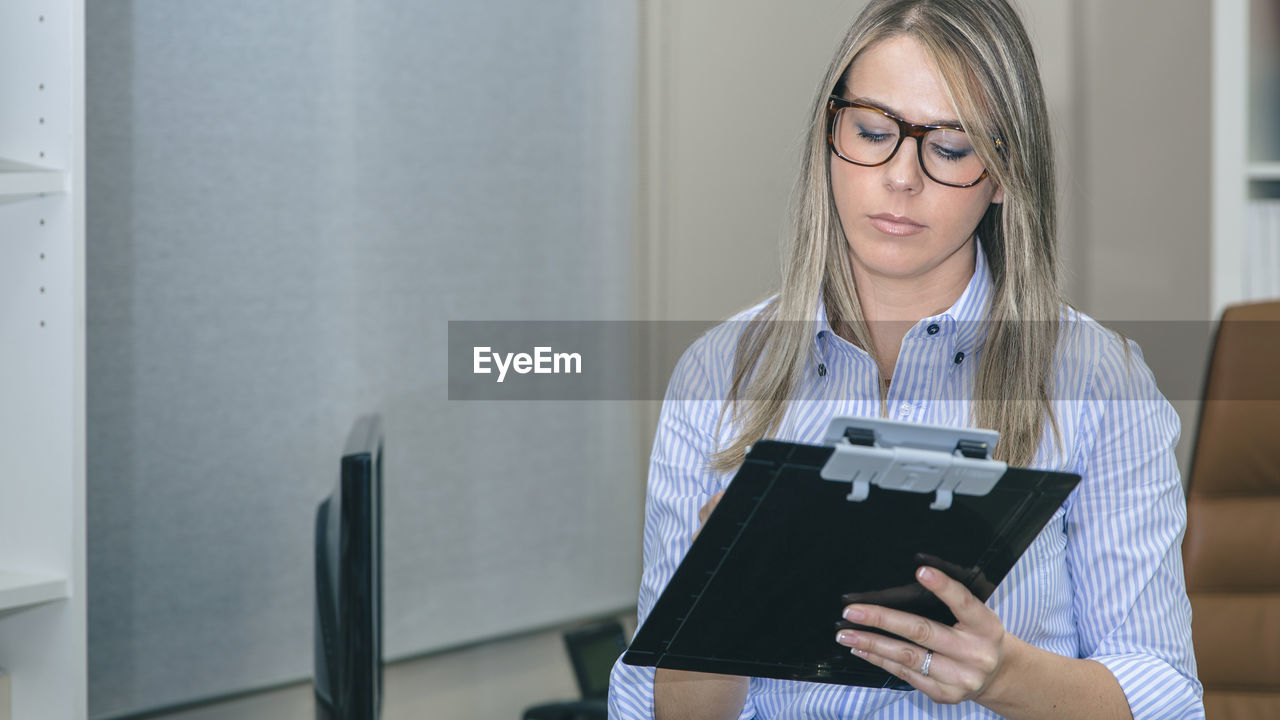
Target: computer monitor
{"x": 592, "y": 650}
{"x": 348, "y": 598}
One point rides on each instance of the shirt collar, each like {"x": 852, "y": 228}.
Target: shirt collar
{"x": 965, "y": 316}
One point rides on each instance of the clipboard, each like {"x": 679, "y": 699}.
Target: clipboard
{"x": 804, "y": 530}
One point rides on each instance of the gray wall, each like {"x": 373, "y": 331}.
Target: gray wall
{"x": 1142, "y": 195}
{"x": 287, "y": 203}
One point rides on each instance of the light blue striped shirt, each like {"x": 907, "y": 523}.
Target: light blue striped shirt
{"x": 1103, "y": 580}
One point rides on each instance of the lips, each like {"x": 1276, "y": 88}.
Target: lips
{"x": 895, "y": 224}
{"x": 899, "y": 225}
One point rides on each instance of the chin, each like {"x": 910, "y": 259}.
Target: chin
{"x": 894, "y": 263}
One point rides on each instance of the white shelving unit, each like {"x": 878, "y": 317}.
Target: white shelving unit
{"x": 19, "y": 591}
{"x": 18, "y": 180}
{"x": 42, "y": 487}
{"x": 1264, "y": 171}
{"x": 1246, "y": 134}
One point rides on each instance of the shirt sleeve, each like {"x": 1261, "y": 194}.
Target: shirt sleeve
{"x": 1125, "y": 524}
{"x": 679, "y": 485}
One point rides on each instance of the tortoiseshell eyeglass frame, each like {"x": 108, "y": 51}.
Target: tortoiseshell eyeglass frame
{"x": 905, "y": 130}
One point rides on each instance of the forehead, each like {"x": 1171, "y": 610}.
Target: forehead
{"x": 899, "y": 75}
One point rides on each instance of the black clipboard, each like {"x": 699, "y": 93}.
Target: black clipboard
{"x": 761, "y": 590}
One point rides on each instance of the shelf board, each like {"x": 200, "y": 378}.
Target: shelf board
{"x": 17, "y": 179}
{"x": 1264, "y": 171}
{"x": 19, "y": 590}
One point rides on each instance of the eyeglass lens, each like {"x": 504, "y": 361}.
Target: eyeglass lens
{"x": 868, "y": 138}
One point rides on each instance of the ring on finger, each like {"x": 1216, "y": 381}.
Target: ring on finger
{"x": 928, "y": 660}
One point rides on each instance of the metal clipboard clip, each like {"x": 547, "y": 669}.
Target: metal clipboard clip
{"x": 911, "y": 457}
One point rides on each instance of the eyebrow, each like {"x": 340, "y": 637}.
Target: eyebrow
{"x": 876, "y": 103}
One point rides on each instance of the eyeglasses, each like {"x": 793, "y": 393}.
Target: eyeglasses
{"x": 868, "y": 136}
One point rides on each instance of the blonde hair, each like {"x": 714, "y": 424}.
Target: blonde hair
{"x": 990, "y": 75}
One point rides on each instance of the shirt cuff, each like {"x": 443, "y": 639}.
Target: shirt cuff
{"x": 630, "y": 692}
{"x": 1154, "y": 689}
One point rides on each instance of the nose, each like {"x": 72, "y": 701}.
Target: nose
{"x": 903, "y": 171}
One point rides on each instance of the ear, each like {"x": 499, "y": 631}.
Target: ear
{"x": 998, "y": 197}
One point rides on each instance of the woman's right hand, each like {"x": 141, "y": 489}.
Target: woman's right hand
{"x": 684, "y": 695}
{"x": 705, "y": 512}
{"x": 681, "y": 694}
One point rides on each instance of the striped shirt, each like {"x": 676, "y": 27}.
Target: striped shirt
{"x": 1104, "y": 579}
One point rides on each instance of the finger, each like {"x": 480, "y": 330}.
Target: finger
{"x": 903, "y": 662}
{"x": 968, "y": 609}
{"x": 705, "y": 511}
{"x": 921, "y": 631}
{"x": 908, "y": 654}
{"x": 943, "y": 669}
{"x": 928, "y": 685}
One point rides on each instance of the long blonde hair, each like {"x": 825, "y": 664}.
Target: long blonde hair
{"x": 989, "y": 71}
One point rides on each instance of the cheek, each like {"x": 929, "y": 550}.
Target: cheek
{"x": 954, "y": 213}
{"x": 845, "y": 190}
{"x": 966, "y": 212}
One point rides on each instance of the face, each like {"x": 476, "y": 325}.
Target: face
{"x": 900, "y": 223}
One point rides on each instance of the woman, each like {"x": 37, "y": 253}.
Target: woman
{"x": 921, "y": 284}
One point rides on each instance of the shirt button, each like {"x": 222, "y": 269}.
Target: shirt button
{"x": 959, "y": 358}
{"x": 822, "y": 369}
{"x": 932, "y": 329}
{"x": 904, "y": 410}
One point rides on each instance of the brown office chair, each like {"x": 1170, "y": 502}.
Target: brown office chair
{"x": 1232, "y": 546}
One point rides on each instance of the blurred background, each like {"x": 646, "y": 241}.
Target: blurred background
{"x": 289, "y": 201}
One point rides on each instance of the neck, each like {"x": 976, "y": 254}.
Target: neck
{"x": 892, "y": 305}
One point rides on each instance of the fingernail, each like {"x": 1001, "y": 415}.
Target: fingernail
{"x": 925, "y": 573}
{"x": 844, "y": 637}
{"x": 860, "y": 652}
{"x": 855, "y": 615}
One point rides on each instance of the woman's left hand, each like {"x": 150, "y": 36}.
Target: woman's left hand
{"x": 963, "y": 660}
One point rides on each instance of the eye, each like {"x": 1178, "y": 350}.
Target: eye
{"x": 872, "y": 136}
{"x": 950, "y": 154}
